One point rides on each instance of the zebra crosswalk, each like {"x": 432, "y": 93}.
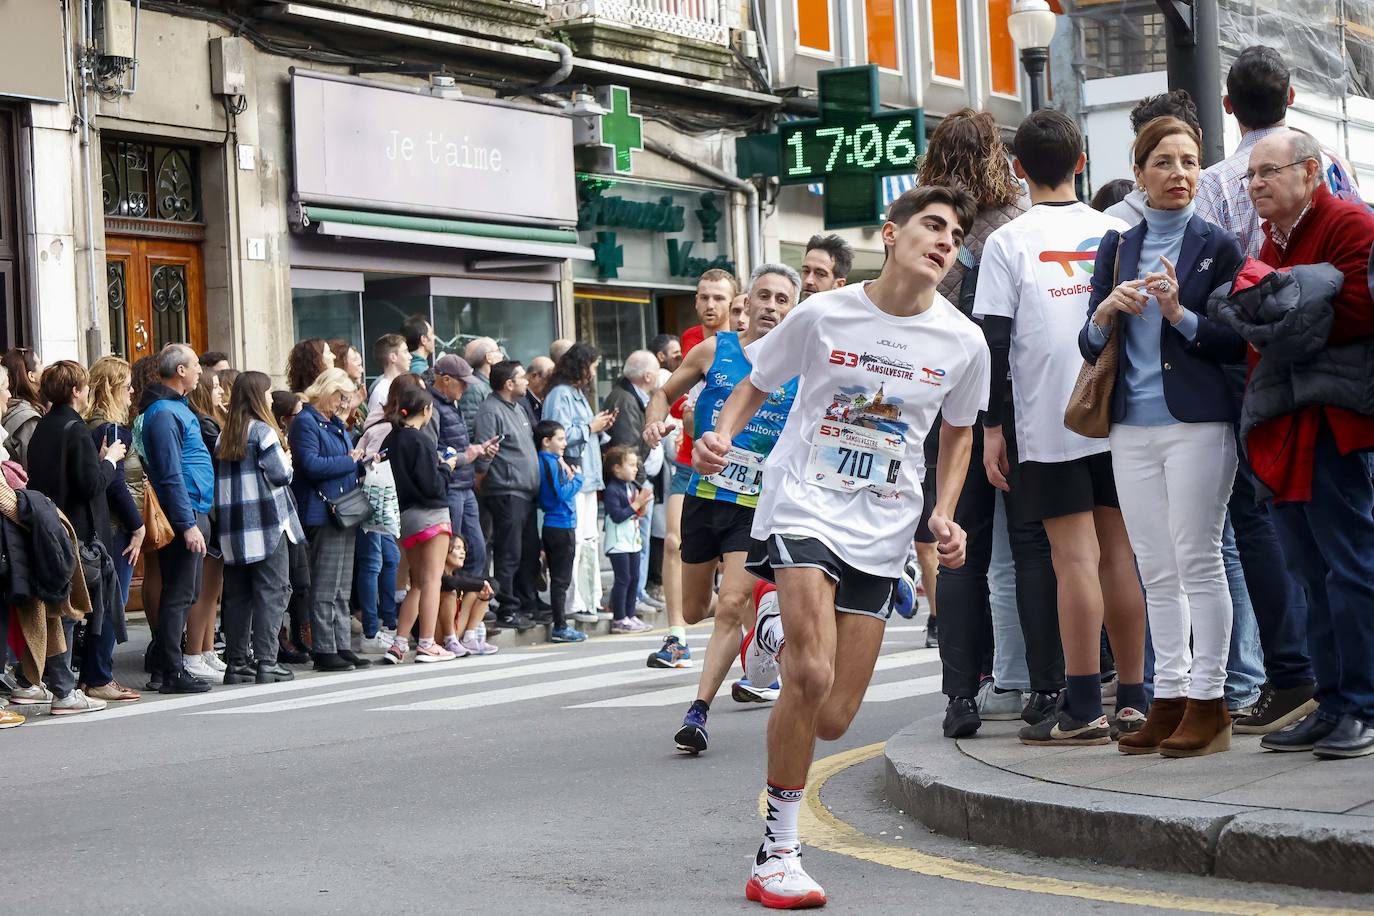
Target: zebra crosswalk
{"x": 602, "y": 674}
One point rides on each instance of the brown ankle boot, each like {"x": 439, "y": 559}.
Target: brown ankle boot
{"x": 1205, "y": 729}
{"x": 1161, "y": 722}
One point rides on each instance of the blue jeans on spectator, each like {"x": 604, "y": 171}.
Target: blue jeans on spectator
{"x": 1280, "y": 607}
{"x": 646, "y": 528}
{"x": 626, "y": 567}
{"x": 1329, "y": 543}
{"x": 1245, "y": 662}
{"x": 377, "y": 557}
{"x": 1008, "y": 645}
{"x": 466, "y": 518}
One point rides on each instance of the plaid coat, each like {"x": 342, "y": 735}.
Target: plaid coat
{"x": 253, "y": 499}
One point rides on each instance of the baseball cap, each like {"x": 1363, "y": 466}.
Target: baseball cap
{"x": 455, "y": 366}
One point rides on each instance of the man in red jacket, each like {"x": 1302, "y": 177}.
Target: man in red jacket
{"x": 1317, "y": 459}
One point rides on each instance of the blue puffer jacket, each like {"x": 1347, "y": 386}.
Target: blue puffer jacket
{"x": 453, "y": 431}
{"x": 175, "y": 457}
{"x": 319, "y": 456}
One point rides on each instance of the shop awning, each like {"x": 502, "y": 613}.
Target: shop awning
{"x": 553, "y": 244}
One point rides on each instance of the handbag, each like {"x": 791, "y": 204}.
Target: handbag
{"x": 348, "y": 510}
{"x": 157, "y": 530}
{"x": 379, "y": 483}
{"x": 1089, "y": 412}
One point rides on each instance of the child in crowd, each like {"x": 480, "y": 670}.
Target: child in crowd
{"x": 625, "y": 503}
{"x": 559, "y": 485}
{"x": 462, "y": 605}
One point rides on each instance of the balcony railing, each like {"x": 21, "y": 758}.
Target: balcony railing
{"x": 703, "y": 20}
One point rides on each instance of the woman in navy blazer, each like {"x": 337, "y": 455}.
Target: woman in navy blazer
{"x": 1173, "y": 448}
{"x": 327, "y": 465}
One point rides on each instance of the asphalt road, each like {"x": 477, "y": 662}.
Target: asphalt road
{"x": 539, "y": 780}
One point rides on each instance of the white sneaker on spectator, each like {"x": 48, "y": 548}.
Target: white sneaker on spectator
{"x": 76, "y": 702}
{"x": 376, "y": 645}
{"x": 198, "y": 667}
{"x": 655, "y": 603}
{"x": 31, "y": 695}
{"x": 215, "y": 662}
{"x": 644, "y": 607}
{"x": 584, "y": 616}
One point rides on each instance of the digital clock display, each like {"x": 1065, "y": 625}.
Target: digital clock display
{"x": 851, "y": 145}
{"x": 870, "y": 146}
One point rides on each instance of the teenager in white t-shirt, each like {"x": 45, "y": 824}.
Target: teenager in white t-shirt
{"x": 1034, "y": 283}
{"x": 394, "y": 356}
{"x": 842, "y": 491}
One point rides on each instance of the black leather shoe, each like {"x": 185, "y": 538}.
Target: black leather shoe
{"x": 1301, "y": 737}
{"x": 181, "y": 682}
{"x": 961, "y": 718}
{"x": 1350, "y": 738}
{"x": 1038, "y": 706}
{"x": 289, "y": 656}
{"x": 272, "y": 672}
{"x": 517, "y": 622}
{"x": 354, "y": 659}
{"x": 933, "y": 633}
{"x": 332, "y": 661}
{"x": 154, "y": 681}
{"x": 239, "y": 672}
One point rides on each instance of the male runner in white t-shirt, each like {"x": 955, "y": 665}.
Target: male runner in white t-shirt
{"x": 842, "y": 492}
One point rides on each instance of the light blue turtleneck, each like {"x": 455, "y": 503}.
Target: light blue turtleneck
{"x": 1143, "y": 373}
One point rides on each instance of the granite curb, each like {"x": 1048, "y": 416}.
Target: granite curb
{"x": 956, "y": 795}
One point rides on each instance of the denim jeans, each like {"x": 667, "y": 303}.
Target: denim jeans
{"x": 377, "y": 556}
{"x": 465, "y": 517}
{"x": 1245, "y": 662}
{"x": 1008, "y": 645}
{"x": 1329, "y": 543}
{"x": 646, "y": 527}
{"x": 1279, "y": 603}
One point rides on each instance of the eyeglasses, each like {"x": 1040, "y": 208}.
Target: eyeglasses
{"x": 1269, "y": 172}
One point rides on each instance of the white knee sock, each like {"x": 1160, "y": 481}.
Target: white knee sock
{"x": 780, "y": 824}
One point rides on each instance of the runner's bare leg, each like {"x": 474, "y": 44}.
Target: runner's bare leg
{"x": 734, "y": 614}
{"x": 806, "y": 600}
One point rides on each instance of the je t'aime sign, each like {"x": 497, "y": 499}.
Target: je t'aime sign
{"x": 388, "y": 149}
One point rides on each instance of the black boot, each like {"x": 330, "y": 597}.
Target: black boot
{"x": 331, "y": 661}
{"x": 354, "y": 659}
{"x": 272, "y": 672}
{"x": 239, "y": 672}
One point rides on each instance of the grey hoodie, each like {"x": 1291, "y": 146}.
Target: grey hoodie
{"x": 515, "y": 469}
{"x": 21, "y": 419}
{"x": 1131, "y": 208}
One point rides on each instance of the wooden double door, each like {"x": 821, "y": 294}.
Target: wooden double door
{"x": 155, "y": 290}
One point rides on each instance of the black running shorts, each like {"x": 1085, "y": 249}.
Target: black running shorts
{"x": 856, "y": 592}
{"x": 1047, "y": 490}
{"x": 712, "y": 528}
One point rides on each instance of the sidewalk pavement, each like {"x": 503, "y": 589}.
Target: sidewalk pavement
{"x": 1247, "y": 814}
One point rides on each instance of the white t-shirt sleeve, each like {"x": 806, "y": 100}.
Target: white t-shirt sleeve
{"x": 781, "y": 354}
{"x": 998, "y": 281}
{"x": 970, "y": 394}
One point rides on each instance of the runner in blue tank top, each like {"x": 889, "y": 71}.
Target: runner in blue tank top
{"x": 718, "y": 511}
{"x": 742, "y": 479}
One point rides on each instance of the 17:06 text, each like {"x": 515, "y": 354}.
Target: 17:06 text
{"x": 867, "y": 148}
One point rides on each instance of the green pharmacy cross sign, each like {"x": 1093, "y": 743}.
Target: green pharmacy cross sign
{"x": 851, "y": 146}
{"x": 621, "y": 132}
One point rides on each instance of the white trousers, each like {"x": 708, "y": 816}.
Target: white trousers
{"x": 1173, "y": 483}
{"x": 587, "y": 556}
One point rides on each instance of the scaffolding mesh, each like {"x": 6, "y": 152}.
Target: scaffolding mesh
{"x": 1328, "y": 44}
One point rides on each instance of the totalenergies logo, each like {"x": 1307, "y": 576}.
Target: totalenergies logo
{"x": 1083, "y": 256}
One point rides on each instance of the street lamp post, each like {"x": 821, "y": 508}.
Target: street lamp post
{"x": 1032, "y": 24}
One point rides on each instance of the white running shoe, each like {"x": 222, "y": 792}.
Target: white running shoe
{"x": 215, "y": 662}
{"x": 377, "y": 644}
{"x": 779, "y": 882}
{"x": 758, "y": 654}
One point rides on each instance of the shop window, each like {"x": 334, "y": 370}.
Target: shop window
{"x": 524, "y": 328}
{"x": 945, "y": 40}
{"x": 813, "y": 24}
{"x": 880, "y": 19}
{"x": 1002, "y": 58}
{"x": 384, "y": 314}
{"x": 617, "y": 323}
{"x": 142, "y": 180}
{"x": 331, "y": 314}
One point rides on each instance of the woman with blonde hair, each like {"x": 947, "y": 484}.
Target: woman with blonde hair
{"x": 107, "y": 416}
{"x": 327, "y": 466}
